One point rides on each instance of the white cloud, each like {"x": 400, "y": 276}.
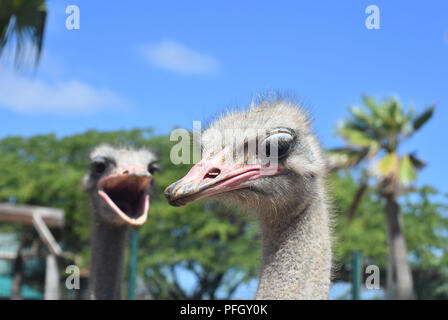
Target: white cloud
{"x": 176, "y": 57}
{"x": 27, "y": 95}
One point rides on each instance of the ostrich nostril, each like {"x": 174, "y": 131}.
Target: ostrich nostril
{"x": 212, "y": 173}
{"x": 125, "y": 172}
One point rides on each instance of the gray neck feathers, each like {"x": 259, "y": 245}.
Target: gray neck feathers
{"x": 106, "y": 267}
{"x": 296, "y": 253}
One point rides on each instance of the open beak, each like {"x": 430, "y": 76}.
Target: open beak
{"x": 127, "y": 195}
{"x": 208, "y": 178}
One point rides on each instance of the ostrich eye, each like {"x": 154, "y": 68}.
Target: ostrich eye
{"x": 282, "y": 139}
{"x": 153, "y": 167}
{"x": 98, "y": 165}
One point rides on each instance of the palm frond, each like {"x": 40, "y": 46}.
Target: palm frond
{"x": 22, "y": 21}
{"x": 422, "y": 118}
{"x": 343, "y": 158}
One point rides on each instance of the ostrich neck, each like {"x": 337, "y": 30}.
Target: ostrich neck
{"x": 106, "y": 267}
{"x": 296, "y": 254}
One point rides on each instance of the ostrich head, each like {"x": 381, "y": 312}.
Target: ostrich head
{"x": 118, "y": 184}
{"x": 272, "y": 164}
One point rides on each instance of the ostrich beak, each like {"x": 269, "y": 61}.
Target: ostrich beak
{"x": 127, "y": 195}
{"x": 207, "y": 178}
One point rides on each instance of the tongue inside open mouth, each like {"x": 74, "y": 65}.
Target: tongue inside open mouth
{"x": 127, "y": 196}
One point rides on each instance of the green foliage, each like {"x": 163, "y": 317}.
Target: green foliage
{"x": 388, "y": 164}
{"x": 425, "y": 225}
{"x": 367, "y": 230}
{"x": 407, "y": 171}
{"x": 218, "y": 245}
{"x": 421, "y": 119}
{"x": 380, "y": 128}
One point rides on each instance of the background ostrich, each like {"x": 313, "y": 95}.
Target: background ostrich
{"x": 290, "y": 200}
{"x": 118, "y": 184}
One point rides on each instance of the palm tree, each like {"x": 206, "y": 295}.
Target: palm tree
{"x": 22, "y": 21}
{"x": 373, "y": 137}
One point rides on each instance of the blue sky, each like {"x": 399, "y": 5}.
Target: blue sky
{"x": 165, "y": 64}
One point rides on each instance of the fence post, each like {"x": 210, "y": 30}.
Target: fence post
{"x": 356, "y": 275}
{"x": 51, "y": 291}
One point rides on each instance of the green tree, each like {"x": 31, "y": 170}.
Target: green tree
{"x": 426, "y": 223}
{"x": 375, "y": 134}
{"x": 366, "y": 231}
{"x": 425, "y": 213}
{"x": 22, "y": 21}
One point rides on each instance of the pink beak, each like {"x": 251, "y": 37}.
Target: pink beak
{"x": 208, "y": 178}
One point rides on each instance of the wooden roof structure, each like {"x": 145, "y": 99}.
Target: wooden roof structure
{"x": 24, "y": 214}
{"x": 40, "y": 218}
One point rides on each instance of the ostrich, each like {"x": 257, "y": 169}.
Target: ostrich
{"x": 118, "y": 184}
{"x": 289, "y": 199}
